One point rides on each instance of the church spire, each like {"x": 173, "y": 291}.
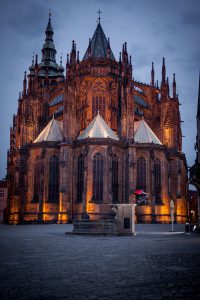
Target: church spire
{"x": 49, "y": 55}
{"x": 49, "y": 51}
{"x": 174, "y": 86}
{"x": 99, "y": 45}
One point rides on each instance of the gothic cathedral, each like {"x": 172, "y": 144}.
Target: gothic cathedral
{"x": 92, "y": 137}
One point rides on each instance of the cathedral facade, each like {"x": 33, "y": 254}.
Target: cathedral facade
{"x": 92, "y": 137}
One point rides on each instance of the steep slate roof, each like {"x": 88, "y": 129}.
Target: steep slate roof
{"x": 56, "y": 100}
{"x": 53, "y": 132}
{"x": 98, "y": 128}
{"x": 144, "y": 134}
{"x": 99, "y": 45}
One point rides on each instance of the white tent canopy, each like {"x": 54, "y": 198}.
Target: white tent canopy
{"x": 53, "y": 132}
{"x": 144, "y": 134}
{"x": 98, "y": 128}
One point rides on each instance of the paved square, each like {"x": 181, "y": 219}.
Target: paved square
{"x": 42, "y": 262}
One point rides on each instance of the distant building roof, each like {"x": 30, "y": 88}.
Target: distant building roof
{"x": 98, "y": 128}
{"x": 53, "y": 132}
{"x": 144, "y": 134}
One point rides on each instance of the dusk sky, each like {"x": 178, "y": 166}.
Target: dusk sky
{"x": 152, "y": 28}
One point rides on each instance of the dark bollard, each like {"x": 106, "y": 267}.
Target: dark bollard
{"x": 187, "y": 227}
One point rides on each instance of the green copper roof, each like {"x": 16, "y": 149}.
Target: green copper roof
{"x": 98, "y": 45}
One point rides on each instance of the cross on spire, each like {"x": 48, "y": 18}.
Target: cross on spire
{"x": 99, "y": 13}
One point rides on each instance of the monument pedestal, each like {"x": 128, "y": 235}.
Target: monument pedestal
{"x": 122, "y": 223}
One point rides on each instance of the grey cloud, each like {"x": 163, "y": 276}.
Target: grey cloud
{"x": 191, "y": 18}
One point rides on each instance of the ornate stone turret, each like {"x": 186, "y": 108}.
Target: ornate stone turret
{"x": 49, "y": 55}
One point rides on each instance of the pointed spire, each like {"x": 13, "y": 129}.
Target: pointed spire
{"x": 73, "y": 53}
{"x": 33, "y": 60}
{"x": 130, "y": 60}
{"x": 49, "y": 30}
{"x": 24, "y": 84}
{"x": 78, "y": 56}
{"x": 168, "y": 86}
{"x": 125, "y": 46}
{"x": 124, "y": 53}
{"x": 152, "y": 74}
{"x": 157, "y": 84}
{"x": 67, "y": 66}
{"x": 36, "y": 60}
{"x": 120, "y": 57}
{"x": 49, "y": 55}
{"x": 163, "y": 71}
{"x": 49, "y": 51}
{"x": 98, "y": 45}
{"x": 174, "y": 86}
{"x": 73, "y": 46}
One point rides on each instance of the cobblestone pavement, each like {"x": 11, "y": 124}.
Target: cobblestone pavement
{"x": 42, "y": 262}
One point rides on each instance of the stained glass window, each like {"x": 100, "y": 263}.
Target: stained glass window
{"x": 115, "y": 178}
{"x": 141, "y": 174}
{"x": 38, "y": 180}
{"x": 98, "y": 105}
{"x": 157, "y": 181}
{"x": 98, "y": 178}
{"x": 80, "y": 179}
{"x": 53, "y": 195}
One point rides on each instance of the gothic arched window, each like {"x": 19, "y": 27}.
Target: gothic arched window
{"x": 157, "y": 180}
{"x": 53, "y": 195}
{"x": 38, "y": 180}
{"x": 98, "y": 178}
{"x": 115, "y": 178}
{"x": 98, "y": 105}
{"x": 141, "y": 174}
{"x": 80, "y": 178}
